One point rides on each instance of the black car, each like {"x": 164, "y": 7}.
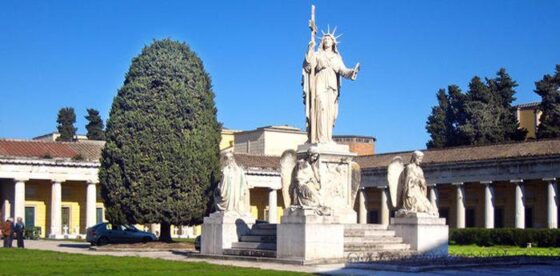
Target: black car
{"x": 105, "y": 233}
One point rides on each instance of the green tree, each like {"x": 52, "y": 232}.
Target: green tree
{"x": 502, "y": 88}
{"x": 95, "y": 125}
{"x": 161, "y": 160}
{"x": 66, "y": 119}
{"x": 437, "y": 122}
{"x": 549, "y": 89}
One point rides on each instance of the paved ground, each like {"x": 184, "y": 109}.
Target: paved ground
{"x": 83, "y": 248}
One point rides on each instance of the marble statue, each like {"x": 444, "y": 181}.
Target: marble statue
{"x": 322, "y": 70}
{"x": 232, "y": 194}
{"x": 407, "y": 186}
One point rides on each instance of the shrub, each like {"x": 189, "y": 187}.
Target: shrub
{"x": 505, "y": 236}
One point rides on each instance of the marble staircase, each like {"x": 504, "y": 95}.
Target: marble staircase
{"x": 371, "y": 242}
{"x": 259, "y": 242}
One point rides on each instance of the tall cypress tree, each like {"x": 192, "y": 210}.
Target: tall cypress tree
{"x": 549, "y": 89}
{"x": 503, "y": 91}
{"x": 66, "y": 119}
{"x": 95, "y": 125}
{"x": 161, "y": 160}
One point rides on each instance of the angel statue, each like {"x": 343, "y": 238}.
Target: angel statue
{"x": 301, "y": 182}
{"x": 232, "y": 194}
{"x": 407, "y": 186}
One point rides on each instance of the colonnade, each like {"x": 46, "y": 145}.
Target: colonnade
{"x": 460, "y": 201}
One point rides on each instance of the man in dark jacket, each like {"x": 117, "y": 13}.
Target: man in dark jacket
{"x": 7, "y": 232}
{"x": 19, "y": 229}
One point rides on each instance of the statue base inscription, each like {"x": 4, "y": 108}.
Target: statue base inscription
{"x": 309, "y": 238}
{"x": 221, "y": 229}
{"x": 425, "y": 233}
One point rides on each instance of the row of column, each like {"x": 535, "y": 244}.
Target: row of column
{"x": 552, "y": 204}
{"x": 56, "y": 204}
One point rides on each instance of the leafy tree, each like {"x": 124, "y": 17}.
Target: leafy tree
{"x": 65, "y": 127}
{"x": 549, "y": 89}
{"x": 95, "y": 125}
{"x": 161, "y": 160}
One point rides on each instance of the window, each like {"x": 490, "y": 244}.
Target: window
{"x": 373, "y": 216}
{"x": 529, "y": 217}
{"x": 29, "y": 217}
{"x": 99, "y": 215}
{"x": 470, "y": 219}
{"x": 444, "y": 213}
{"x": 66, "y": 216}
{"x": 499, "y": 217}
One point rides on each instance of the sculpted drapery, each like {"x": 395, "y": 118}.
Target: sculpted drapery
{"x": 414, "y": 194}
{"x": 232, "y": 193}
{"x": 322, "y": 71}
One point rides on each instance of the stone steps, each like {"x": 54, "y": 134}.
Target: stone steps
{"x": 376, "y": 247}
{"x": 370, "y": 242}
{"x": 373, "y": 239}
{"x": 259, "y": 242}
{"x": 362, "y": 233}
{"x": 254, "y": 245}
{"x": 251, "y": 252}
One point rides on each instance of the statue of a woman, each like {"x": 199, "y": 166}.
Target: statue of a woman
{"x": 322, "y": 70}
{"x": 414, "y": 194}
{"x": 232, "y": 193}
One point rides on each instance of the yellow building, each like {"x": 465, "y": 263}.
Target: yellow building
{"x": 528, "y": 116}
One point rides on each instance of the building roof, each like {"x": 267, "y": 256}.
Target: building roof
{"x": 469, "y": 153}
{"x": 86, "y": 150}
{"x": 257, "y": 161}
{"x": 528, "y": 105}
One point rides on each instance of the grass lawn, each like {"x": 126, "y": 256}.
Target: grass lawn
{"x": 498, "y": 251}
{"x": 27, "y": 261}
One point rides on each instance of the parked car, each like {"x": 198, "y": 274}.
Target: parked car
{"x": 197, "y": 242}
{"x": 105, "y": 233}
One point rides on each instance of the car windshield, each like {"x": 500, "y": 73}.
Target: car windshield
{"x": 130, "y": 228}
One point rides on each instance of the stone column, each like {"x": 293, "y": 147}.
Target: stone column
{"x": 272, "y": 209}
{"x": 552, "y": 203}
{"x": 384, "y": 206}
{"x": 19, "y": 198}
{"x": 91, "y": 199}
{"x": 56, "y": 209}
{"x": 362, "y": 210}
{"x": 433, "y": 195}
{"x": 488, "y": 204}
{"x": 460, "y": 205}
{"x": 519, "y": 204}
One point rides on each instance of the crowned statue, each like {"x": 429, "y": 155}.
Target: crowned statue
{"x": 322, "y": 72}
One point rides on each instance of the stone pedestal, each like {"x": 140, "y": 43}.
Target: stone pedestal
{"x": 335, "y": 172}
{"x": 307, "y": 237}
{"x": 426, "y": 234}
{"x": 221, "y": 229}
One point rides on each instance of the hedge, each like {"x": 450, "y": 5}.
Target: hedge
{"x": 505, "y": 236}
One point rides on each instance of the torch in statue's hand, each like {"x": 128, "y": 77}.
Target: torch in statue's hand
{"x": 355, "y": 71}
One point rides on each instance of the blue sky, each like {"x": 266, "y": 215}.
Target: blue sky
{"x": 75, "y": 53}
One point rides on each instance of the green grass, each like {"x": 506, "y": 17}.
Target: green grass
{"x": 499, "y": 251}
{"x": 185, "y": 240}
{"x": 26, "y": 262}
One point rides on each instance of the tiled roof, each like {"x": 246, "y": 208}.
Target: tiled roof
{"x": 470, "y": 153}
{"x": 90, "y": 150}
{"x": 257, "y": 161}
{"x": 528, "y": 105}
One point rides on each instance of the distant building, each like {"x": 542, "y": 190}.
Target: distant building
{"x": 54, "y": 135}
{"x": 529, "y": 117}
{"x": 362, "y": 145}
{"x": 269, "y": 140}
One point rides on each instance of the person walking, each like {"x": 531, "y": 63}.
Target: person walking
{"x": 7, "y": 232}
{"x": 19, "y": 229}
